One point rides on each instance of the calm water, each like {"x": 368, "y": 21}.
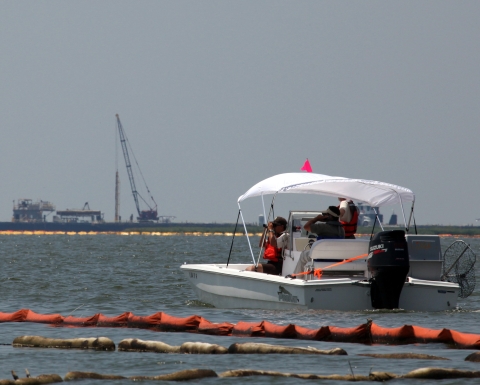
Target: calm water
{"x": 109, "y": 274}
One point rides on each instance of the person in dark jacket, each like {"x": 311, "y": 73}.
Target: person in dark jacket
{"x": 330, "y": 226}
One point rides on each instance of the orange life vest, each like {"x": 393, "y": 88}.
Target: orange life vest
{"x": 272, "y": 253}
{"x": 351, "y": 227}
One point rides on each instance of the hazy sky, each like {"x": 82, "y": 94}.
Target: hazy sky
{"x": 217, "y": 95}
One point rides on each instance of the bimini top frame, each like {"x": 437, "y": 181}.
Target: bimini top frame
{"x": 374, "y": 193}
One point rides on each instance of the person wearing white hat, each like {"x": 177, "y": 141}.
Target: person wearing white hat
{"x": 330, "y": 226}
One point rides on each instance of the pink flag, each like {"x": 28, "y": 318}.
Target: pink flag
{"x": 306, "y": 166}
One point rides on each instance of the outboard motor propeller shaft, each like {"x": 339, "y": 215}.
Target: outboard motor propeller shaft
{"x": 388, "y": 264}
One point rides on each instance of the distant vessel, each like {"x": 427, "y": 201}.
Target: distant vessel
{"x": 28, "y": 211}
{"x": 31, "y": 216}
{"x": 83, "y": 215}
{"x": 367, "y": 214}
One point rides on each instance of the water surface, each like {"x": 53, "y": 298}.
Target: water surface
{"x": 111, "y": 274}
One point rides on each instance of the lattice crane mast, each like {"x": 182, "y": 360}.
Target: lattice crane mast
{"x": 143, "y": 215}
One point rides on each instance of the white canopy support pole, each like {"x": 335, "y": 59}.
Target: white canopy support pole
{"x": 265, "y": 219}
{"x": 268, "y": 220}
{"x": 246, "y": 233}
{"x": 379, "y": 222}
{"x": 411, "y": 214}
{"x": 264, "y": 213}
{"x": 403, "y": 211}
{"x": 403, "y": 214}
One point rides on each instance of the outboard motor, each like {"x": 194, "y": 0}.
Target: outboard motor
{"x": 388, "y": 264}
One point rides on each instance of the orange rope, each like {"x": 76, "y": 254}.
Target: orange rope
{"x": 318, "y": 272}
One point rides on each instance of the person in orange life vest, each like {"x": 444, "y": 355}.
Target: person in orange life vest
{"x": 348, "y": 217}
{"x": 273, "y": 240}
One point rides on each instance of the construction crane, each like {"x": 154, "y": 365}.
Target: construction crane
{"x": 143, "y": 215}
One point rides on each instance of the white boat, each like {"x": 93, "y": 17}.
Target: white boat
{"x": 356, "y": 274}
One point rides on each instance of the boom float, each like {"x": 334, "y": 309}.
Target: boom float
{"x": 367, "y": 333}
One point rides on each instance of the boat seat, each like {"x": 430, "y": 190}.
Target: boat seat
{"x": 301, "y": 243}
{"x": 326, "y": 252}
{"x": 338, "y": 248}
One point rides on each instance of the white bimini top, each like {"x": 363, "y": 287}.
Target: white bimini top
{"x": 371, "y": 192}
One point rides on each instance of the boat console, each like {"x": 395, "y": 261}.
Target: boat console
{"x": 323, "y": 253}
{"x": 426, "y": 259}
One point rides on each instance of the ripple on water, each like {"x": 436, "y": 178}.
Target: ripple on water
{"x": 84, "y": 275}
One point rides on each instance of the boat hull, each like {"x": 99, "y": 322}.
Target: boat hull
{"x": 233, "y": 287}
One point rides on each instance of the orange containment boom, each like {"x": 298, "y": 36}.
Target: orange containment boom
{"x": 368, "y": 333}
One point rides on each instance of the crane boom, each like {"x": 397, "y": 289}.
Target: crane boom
{"x": 144, "y": 215}
{"x": 123, "y": 142}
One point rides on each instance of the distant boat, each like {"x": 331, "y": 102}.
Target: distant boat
{"x": 368, "y": 214}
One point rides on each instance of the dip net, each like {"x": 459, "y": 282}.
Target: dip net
{"x": 459, "y": 267}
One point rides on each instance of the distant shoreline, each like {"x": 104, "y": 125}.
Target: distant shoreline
{"x": 224, "y": 229}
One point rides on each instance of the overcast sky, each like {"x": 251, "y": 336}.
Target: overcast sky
{"x": 217, "y": 95}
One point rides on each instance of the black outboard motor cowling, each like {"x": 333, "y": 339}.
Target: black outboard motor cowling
{"x": 388, "y": 264}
